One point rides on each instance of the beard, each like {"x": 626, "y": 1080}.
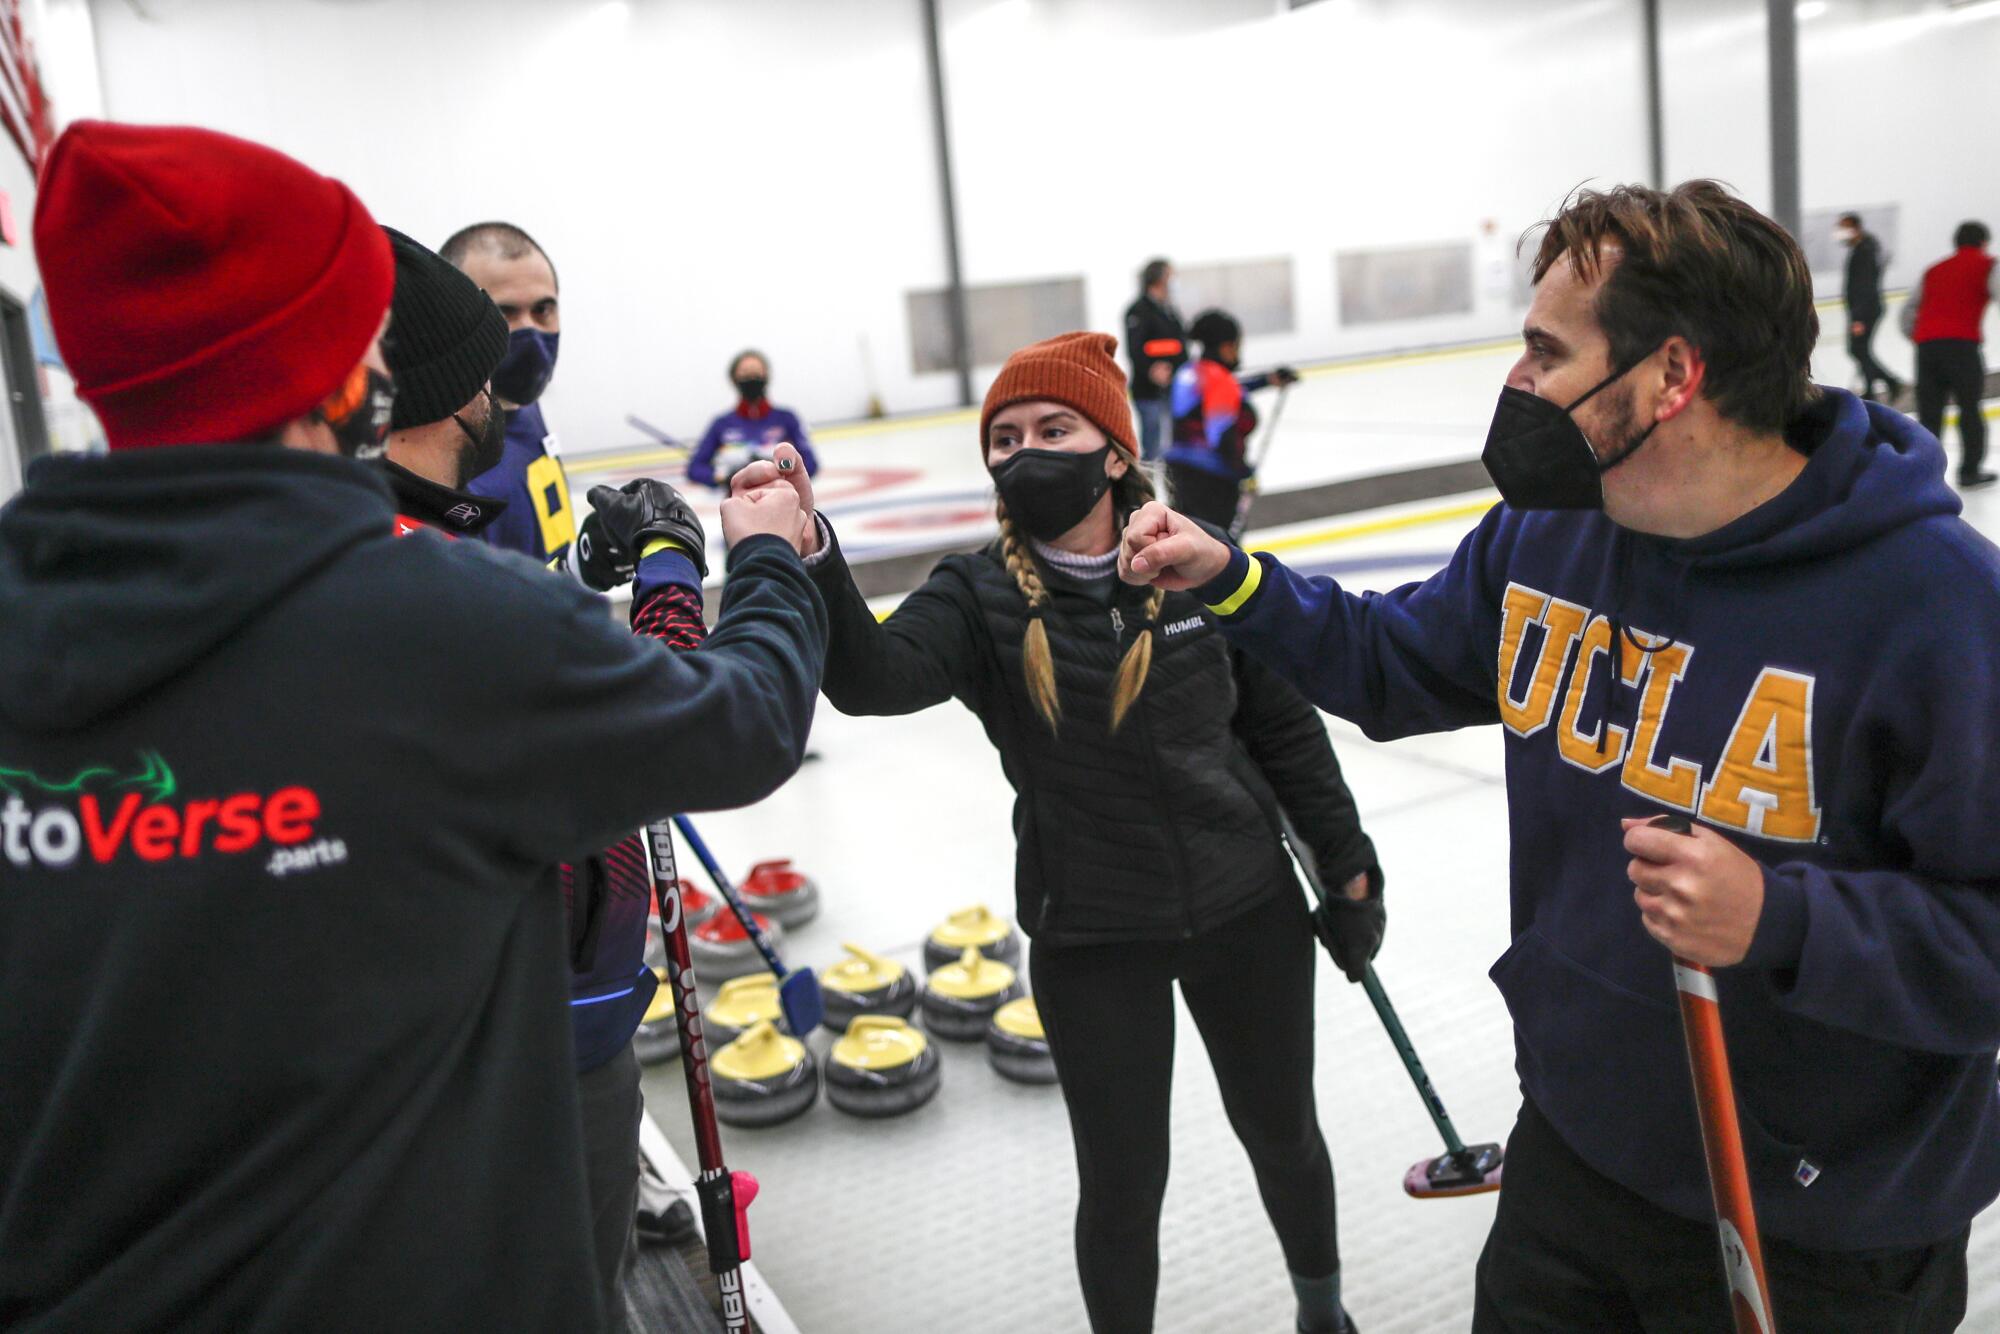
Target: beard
{"x": 482, "y": 452}
{"x": 1617, "y": 427}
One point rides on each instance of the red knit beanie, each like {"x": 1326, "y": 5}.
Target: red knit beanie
{"x": 1074, "y": 369}
{"x": 203, "y": 289}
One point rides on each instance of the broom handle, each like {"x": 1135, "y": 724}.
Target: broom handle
{"x": 715, "y": 1187}
{"x": 1722, "y": 1142}
{"x": 729, "y": 895}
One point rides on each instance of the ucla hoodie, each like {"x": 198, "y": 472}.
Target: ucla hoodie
{"x": 1822, "y": 689}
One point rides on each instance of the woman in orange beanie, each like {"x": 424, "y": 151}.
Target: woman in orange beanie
{"x": 1152, "y": 767}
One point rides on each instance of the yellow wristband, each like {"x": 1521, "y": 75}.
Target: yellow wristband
{"x": 1232, "y": 604}
{"x": 658, "y": 544}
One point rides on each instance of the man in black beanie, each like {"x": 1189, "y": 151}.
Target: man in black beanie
{"x": 445, "y": 428}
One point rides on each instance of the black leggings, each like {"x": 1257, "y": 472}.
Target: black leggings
{"x": 1109, "y": 1013}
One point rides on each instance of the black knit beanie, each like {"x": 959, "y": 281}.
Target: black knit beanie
{"x": 1211, "y": 328}
{"x": 445, "y": 336}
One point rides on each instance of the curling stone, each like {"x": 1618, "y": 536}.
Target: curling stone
{"x": 720, "y": 948}
{"x": 1017, "y": 1046}
{"x": 776, "y": 890}
{"x": 960, "y": 999}
{"x": 762, "y": 1078}
{"x": 865, "y": 983}
{"x": 881, "y": 1067}
{"x": 977, "y": 927}
{"x": 658, "y": 1037}
{"x": 739, "y": 1005}
{"x": 697, "y": 904}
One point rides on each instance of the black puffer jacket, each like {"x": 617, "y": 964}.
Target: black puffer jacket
{"x": 1163, "y": 830}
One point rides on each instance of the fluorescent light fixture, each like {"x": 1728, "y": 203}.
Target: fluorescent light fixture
{"x": 1808, "y": 10}
{"x": 1971, "y": 11}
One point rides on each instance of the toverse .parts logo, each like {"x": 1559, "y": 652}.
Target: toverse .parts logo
{"x": 103, "y": 815}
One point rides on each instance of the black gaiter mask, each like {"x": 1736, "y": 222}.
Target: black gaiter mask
{"x": 1050, "y": 491}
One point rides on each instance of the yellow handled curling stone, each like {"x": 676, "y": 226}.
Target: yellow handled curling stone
{"x": 865, "y": 983}
{"x": 977, "y": 928}
{"x": 762, "y": 1078}
{"x": 960, "y": 999}
{"x": 1017, "y": 1046}
{"x": 881, "y": 1067}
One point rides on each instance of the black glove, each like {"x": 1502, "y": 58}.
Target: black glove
{"x": 1283, "y": 376}
{"x": 623, "y": 521}
{"x": 1351, "y": 930}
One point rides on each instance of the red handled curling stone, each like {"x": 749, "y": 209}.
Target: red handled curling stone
{"x": 881, "y": 1067}
{"x": 722, "y": 949}
{"x": 763, "y": 1078}
{"x": 865, "y": 983}
{"x": 961, "y": 998}
{"x": 1017, "y": 1046}
{"x": 658, "y": 1038}
{"x": 789, "y": 897}
{"x": 994, "y": 937}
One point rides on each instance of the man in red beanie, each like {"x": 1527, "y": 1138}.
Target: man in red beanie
{"x": 272, "y": 873}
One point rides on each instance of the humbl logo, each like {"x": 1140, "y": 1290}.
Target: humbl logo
{"x": 103, "y": 814}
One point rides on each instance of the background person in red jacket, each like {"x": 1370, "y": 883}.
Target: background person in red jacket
{"x": 1943, "y": 319}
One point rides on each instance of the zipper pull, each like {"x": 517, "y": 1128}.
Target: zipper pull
{"x": 1117, "y": 621}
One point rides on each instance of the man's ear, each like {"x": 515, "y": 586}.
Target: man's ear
{"x": 1682, "y": 372}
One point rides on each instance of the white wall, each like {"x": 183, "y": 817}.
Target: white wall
{"x": 711, "y": 173}
{"x": 1898, "y": 104}
{"x": 702, "y": 182}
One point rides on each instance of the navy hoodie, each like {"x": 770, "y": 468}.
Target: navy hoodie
{"x": 1822, "y": 691}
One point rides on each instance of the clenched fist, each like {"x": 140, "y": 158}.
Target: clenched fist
{"x": 1168, "y": 549}
{"x": 1698, "y": 894}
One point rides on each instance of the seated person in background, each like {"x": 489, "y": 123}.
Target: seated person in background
{"x": 1207, "y": 463}
{"x": 751, "y": 430}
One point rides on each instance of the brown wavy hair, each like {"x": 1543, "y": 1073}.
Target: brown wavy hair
{"x": 1697, "y": 262}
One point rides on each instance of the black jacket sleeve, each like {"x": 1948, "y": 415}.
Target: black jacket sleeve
{"x": 928, "y": 651}
{"x": 1287, "y": 740}
{"x": 1146, "y": 325}
{"x": 610, "y": 730}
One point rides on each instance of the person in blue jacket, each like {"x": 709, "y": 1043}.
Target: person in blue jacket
{"x": 1712, "y": 588}
{"x": 751, "y": 430}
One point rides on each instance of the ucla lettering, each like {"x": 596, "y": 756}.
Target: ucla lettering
{"x": 1763, "y": 781}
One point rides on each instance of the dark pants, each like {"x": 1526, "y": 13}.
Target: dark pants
{"x": 1860, "y": 346}
{"x": 1571, "y": 1250}
{"x": 1109, "y": 1013}
{"x": 1204, "y": 495}
{"x": 611, "y": 1109}
{"x": 1951, "y": 368}
{"x": 1155, "y": 420}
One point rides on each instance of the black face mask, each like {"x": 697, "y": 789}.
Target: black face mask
{"x": 358, "y": 413}
{"x": 484, "y": 446}
{"x": 1050, "y": 491}
{"x": 1539, "y": 457}
{"x": 752, "y": 387}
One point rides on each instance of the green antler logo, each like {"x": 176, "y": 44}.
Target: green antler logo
{"x": 153, "y": 778}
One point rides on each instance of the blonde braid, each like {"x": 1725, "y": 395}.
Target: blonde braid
{"x": 1136, "y": 488}
{"x": 1038, "y": 663}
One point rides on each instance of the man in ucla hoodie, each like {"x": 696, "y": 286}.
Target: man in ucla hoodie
{"x": 1778, "y": 626}
{"x": 282, "y": 959}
